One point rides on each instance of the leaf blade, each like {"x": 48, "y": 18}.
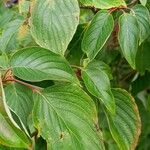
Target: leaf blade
{"x": 10, "y": 134}
{"x": 72, "y": 120}
{"x": 56, "y": 31}
{"x": 38, "y": 64}
{"x": 19, "y": 101}
{"x": 97, "y": 33}
{"x": 143, "y": 17}
{"x": 9, "y": 34}
{"x": 125, "y": 126}
{"x": 97, "y": 82}
{"x": 128, "y": 37}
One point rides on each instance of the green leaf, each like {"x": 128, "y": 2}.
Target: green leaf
{"x": 97, "y": 33}
{"x": 143, "y": 57}
{"x": 103, "y": 4}
{"x": 9, "y": 35}
{"x": 125, "y": 125}
{"x": 10, "y": 134}
{"x": 54, "y": 22}
{"x": 4, "y": 61}
{"x": 129, "y": 37}
{"x": 97, "y": 82}
{"x": 19, "y": 99}
{"x": 143, "y": 16}
{"x": 5, "y": 18}
{"x": 102, "y": 66}
{"x": 38, "y": 64}
{"x": 66, "y": 117}
{"x": 143, "y": 2}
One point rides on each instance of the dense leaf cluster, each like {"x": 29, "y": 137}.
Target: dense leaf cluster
{"x": 67, "y": 68}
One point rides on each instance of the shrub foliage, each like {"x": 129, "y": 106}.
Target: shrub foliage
{"x": 74, "y": 74}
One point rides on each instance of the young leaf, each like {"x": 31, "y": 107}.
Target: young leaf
{"x": 38, "y": 64}
{"x": 103, "y": 4}
{"x": 128, "y": 37}
{"x": 97, "y": 33}
{"x": 66, "y": 117}
{"x": 97, "y": 82}
{"x": 10, "y": 134}
{"x": 125, "y": 125}
{"x": 54, "y": 22}
{"x": 143, "y": 16}
{"x": 19, "y": 99}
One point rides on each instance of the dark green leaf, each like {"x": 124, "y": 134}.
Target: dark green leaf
{"x": 38, "y": 64}
{"x": 66, "y": 117}
{"x": 19, "y": 99}
{"x": 125, "y": 125}
{"x": 97, "y": 33}
{"x": 10, "y": 134}
{"x": 143, "y": 16}
{"x": 97, "y": 82}
{"x": 129, "y": 35}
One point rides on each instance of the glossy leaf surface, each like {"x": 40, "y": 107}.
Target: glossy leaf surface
{"x": 38, "y": 64}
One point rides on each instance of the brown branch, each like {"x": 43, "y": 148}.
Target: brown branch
{"x": 9, "y": 77}
{"x": 95, "y": 10}
{"x": 32, "y": 87}
{"x": 111, "y": 10}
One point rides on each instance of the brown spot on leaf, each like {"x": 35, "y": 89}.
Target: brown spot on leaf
{"x": 97, "y": 127}
{"x": 61, "y": 136}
